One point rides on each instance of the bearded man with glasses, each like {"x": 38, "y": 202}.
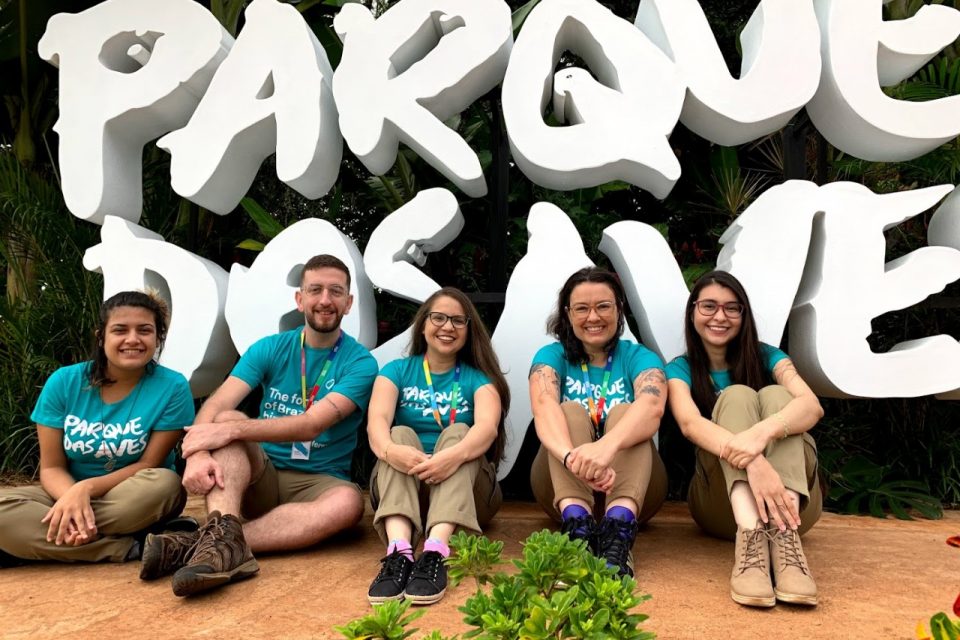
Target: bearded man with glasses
{"x": 287, "y": 472}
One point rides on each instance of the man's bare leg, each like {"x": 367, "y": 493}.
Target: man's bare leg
{"x": 296, "y": 525}
{"x": 238, "y": 462}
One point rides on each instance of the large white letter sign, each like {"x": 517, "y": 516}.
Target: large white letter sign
{"x": 653, "y": 283}
{"x": 861, "y": 52}
{"x": 420, "y": 63}
{"x": 846, "y": 285}
{"x": 261, "y": 299}
{"x": 779, "y": 72}
{"x": 110, "y": 106}
{"x": 618, "y": 126}
{"x": 271, "y": 94}
{"x": 198, "y": 346}
{"x": 780, "y": 223}
{"x": 424, "y": 225}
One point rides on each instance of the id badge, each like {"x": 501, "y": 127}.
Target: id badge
{"x": 300, "y": 450}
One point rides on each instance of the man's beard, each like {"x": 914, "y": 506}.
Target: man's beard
{"x": 329, "y": 328}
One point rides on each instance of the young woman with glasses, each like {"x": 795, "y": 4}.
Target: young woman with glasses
{"x": 756, "y": 473}
{"x": 436, "y": 425}
{"x": 597, "y": 402}
{"x": 106, "y": 429}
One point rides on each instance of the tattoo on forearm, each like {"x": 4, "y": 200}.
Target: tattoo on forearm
{"x": 549, "y": 383}
{"x": 335, "y": 408}
{"x": 650, "y": 382}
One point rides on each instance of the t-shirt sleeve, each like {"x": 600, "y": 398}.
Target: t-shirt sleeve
{"x": 552, "y": 356}
{"x": 771, "y": 356}
{"x": 393, "y": 371}
{"x": 254, "y": 364}
{"x": 642, "y": 359}
{"x": 356, "y": 381}
{"x": 178, "y": 411}
{"x": 51, "y": 407}
{"x": 679, "y": 369}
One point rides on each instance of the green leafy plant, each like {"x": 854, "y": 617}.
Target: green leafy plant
{"x": 861, "y": 482}
{"x": 941, "y": 628}
{"x": 559, "y": 590}
{"x": 388, "y": 621}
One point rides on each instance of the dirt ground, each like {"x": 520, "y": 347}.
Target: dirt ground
{"x": 877, "y": 579}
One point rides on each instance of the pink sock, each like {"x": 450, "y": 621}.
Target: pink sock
{"x": 403, "y": 546}
{"x": 432, "y": 544}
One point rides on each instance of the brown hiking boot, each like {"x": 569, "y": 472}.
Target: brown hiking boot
{"x": 164, "y": 553}
{"x": 220, "y": 555}
{"x": 750, "y": 582}
{"x": 793, "y": 581}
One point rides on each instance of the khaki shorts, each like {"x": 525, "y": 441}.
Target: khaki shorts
{"x": 281, "y": 486}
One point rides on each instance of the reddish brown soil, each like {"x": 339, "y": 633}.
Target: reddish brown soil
{"x": 877, "y": 579}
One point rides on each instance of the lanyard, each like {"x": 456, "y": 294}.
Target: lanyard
{"x": 596, "y": 410}
{"x": 307, "y": 402}
{"x": 454, "y": 393}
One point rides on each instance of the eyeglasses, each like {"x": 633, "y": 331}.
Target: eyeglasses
{"x": 710, "y": 308}
{"x": 335, "y": 291}
{"x": 439, "y": 319}
{"x": 604, "y": 308}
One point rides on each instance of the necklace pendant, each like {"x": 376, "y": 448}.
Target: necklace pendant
{"x": 110, "y": 464}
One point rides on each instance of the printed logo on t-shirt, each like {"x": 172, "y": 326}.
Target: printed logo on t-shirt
{"x": 417, "y": 399}
{"x": 576, "y": 391}
{"x": 104, "y": 440}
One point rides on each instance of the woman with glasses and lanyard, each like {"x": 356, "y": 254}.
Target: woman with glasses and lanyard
{"x": 756, "y": 473}
{"x": 435, "y": 423}
{"x": 597, "y": 402}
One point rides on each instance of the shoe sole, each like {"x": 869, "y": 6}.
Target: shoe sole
{"x": 796, "y": 598}
{"x": 190, "y": 583}
{"x": 382, "y": 599}
{"x": 753, "y": 601}
{"x": 423, "y": 600}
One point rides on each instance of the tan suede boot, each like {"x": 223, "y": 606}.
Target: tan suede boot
{"x": 792, "y": 579}
{"x": 750, "y": 582}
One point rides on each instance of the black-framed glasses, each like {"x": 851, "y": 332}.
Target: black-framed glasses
{"x": 439, "y": 319}
{"x": 710, "y": 308}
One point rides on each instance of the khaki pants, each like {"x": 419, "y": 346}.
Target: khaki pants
{"x": 147, "y": 497}
{"x": 794, "y": 458}
{"x": 281, "y": 486}
{"x": 469, "y": 498}
{"x": 641, "y": 475}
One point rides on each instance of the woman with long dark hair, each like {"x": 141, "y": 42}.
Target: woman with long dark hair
{"x": 748, "y": 411}
{"x": 436, "y": 425}
{"x": 107, "y": 428}
{"x": 597, "y": 402}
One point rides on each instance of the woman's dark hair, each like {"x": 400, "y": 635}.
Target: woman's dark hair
{"x": 559, "y": 324}
{"x": 743, "y": 352}
{"x": 477, "y": 352}
{"x": 151, "y": 302}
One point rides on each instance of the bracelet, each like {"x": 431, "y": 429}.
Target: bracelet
{"x": 386, "y": 453}
{"x": 565, "y": 458}
{"x": 783, "y": 421}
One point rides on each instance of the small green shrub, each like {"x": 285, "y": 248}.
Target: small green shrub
{"x": 560, "y": 590}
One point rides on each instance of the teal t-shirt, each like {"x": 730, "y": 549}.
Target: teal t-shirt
{"x": 273, "y": 363}
{"x": 629, "y": 360}
{"x": 413, "y": 403}
{"x": 679, "y": 368}
{"x": 99, "y": 438}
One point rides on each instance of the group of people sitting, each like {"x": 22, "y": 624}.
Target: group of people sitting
{"x": 108, "y": 428}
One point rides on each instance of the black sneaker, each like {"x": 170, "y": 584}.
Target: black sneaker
{"x": 581, "y": 528}
{"x": 428, "y": 580}
{"x": 8, "y": 561}
{"x": 392, "y": 579}
{"x": 615, "y": 544}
